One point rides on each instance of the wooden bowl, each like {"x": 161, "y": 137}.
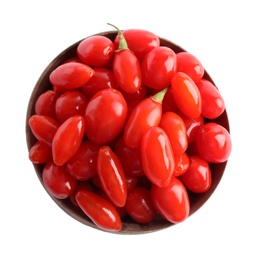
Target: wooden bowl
{"x": 129, "y": 226}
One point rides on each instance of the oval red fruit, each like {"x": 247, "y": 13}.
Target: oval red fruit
{"x": 99, "y": 210}
{"x": 70, "y": 75}
{"x": 103, "y": 78}
{"x": 172, "y": 202}
{"x": 112, "y": 176}
{"x": 139, "y": 205}
{"x": 40, "y": 153}
{"x": 146, "y": 113}
{"x": 198, "y": 176}
{"x": 69, "y": 104}
{"x": 43, "y": 128}
{"x": 96, "y": 50}
{"x": 186, "y": 95}
{"x": 158, "y": 67}
{"x": 127, "y": 71}
{"x": 45, "y": 104}
{"x": 157, "y": 156}
{"x": 213, "y": 142}
{"x": 57, "y": 181}
{"x": 175, "y": 128}
{"x": 189, "y": 64}
{"x": 105, "y": 116}
{"x": 139, "y": 41}
{"x": 67, "y": 139}
{"x": 83, "y": 164}
{"x": 213, "y": 104}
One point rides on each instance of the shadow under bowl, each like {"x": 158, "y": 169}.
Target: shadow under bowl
{"x": 129, "y": 226}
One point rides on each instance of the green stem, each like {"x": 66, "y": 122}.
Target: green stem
{"x": 122, "y": 41}
{"x": 158, "y": 97}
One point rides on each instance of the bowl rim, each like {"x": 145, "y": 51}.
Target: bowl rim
{"x": 129, "y": 227}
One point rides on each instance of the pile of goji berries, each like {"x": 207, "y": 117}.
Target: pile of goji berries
{"x": 122, "y": 132}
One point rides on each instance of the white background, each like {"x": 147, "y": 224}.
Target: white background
{"x": 224, "y": 35}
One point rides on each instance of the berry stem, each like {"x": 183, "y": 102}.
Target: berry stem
{"x": 158, "y": 97}
{"x": 122, "y": 41}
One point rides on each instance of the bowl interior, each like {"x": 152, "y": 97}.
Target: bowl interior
{"x": 129, "y": 226}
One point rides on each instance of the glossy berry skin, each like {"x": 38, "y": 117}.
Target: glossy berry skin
{"x": 131, "y": 182}
{"x": 158, "y": 67}
{"x": 127, "y": 70}
{"x": 57, "y": 181}
{"x": 45, "y": 104}
{"x": 175, "y": 128}
{"x": 190, "y": 65}
{"x": 213, "y": 143}
{"x": 99, "y": 210}
{"x": 70, "y": 75}
{"x": 103, "y": 78}
{"x": 182, "y": 163}
{"x": 146, "y": 113}
{"x": 186, "y": 95}
{"x": 139, "y": 41}
{"x": 122, "y": 133}
{"x": 40, "y": 153}
{"x": 157, "y": 156}
{"x": 136, "y": 96}
{"x": 172, "y": 201}
{"x": 96, "y": 51}
{"x": 192, "y": 125}
{"x": 213, "y": 104}
{"x": 43, "y": 128}
{"x": 69, "y": 104}
{"x": 139, "y": 205}
{"x": 105, "y": 116}
{"x": 81, "y": 185}
{"x": 82, "y": 166}
{"x": 111, "y": 175}
{"x": 130, "y": 158}
{"x": 198, "y": 177}
{"x": 67, "y": 139}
